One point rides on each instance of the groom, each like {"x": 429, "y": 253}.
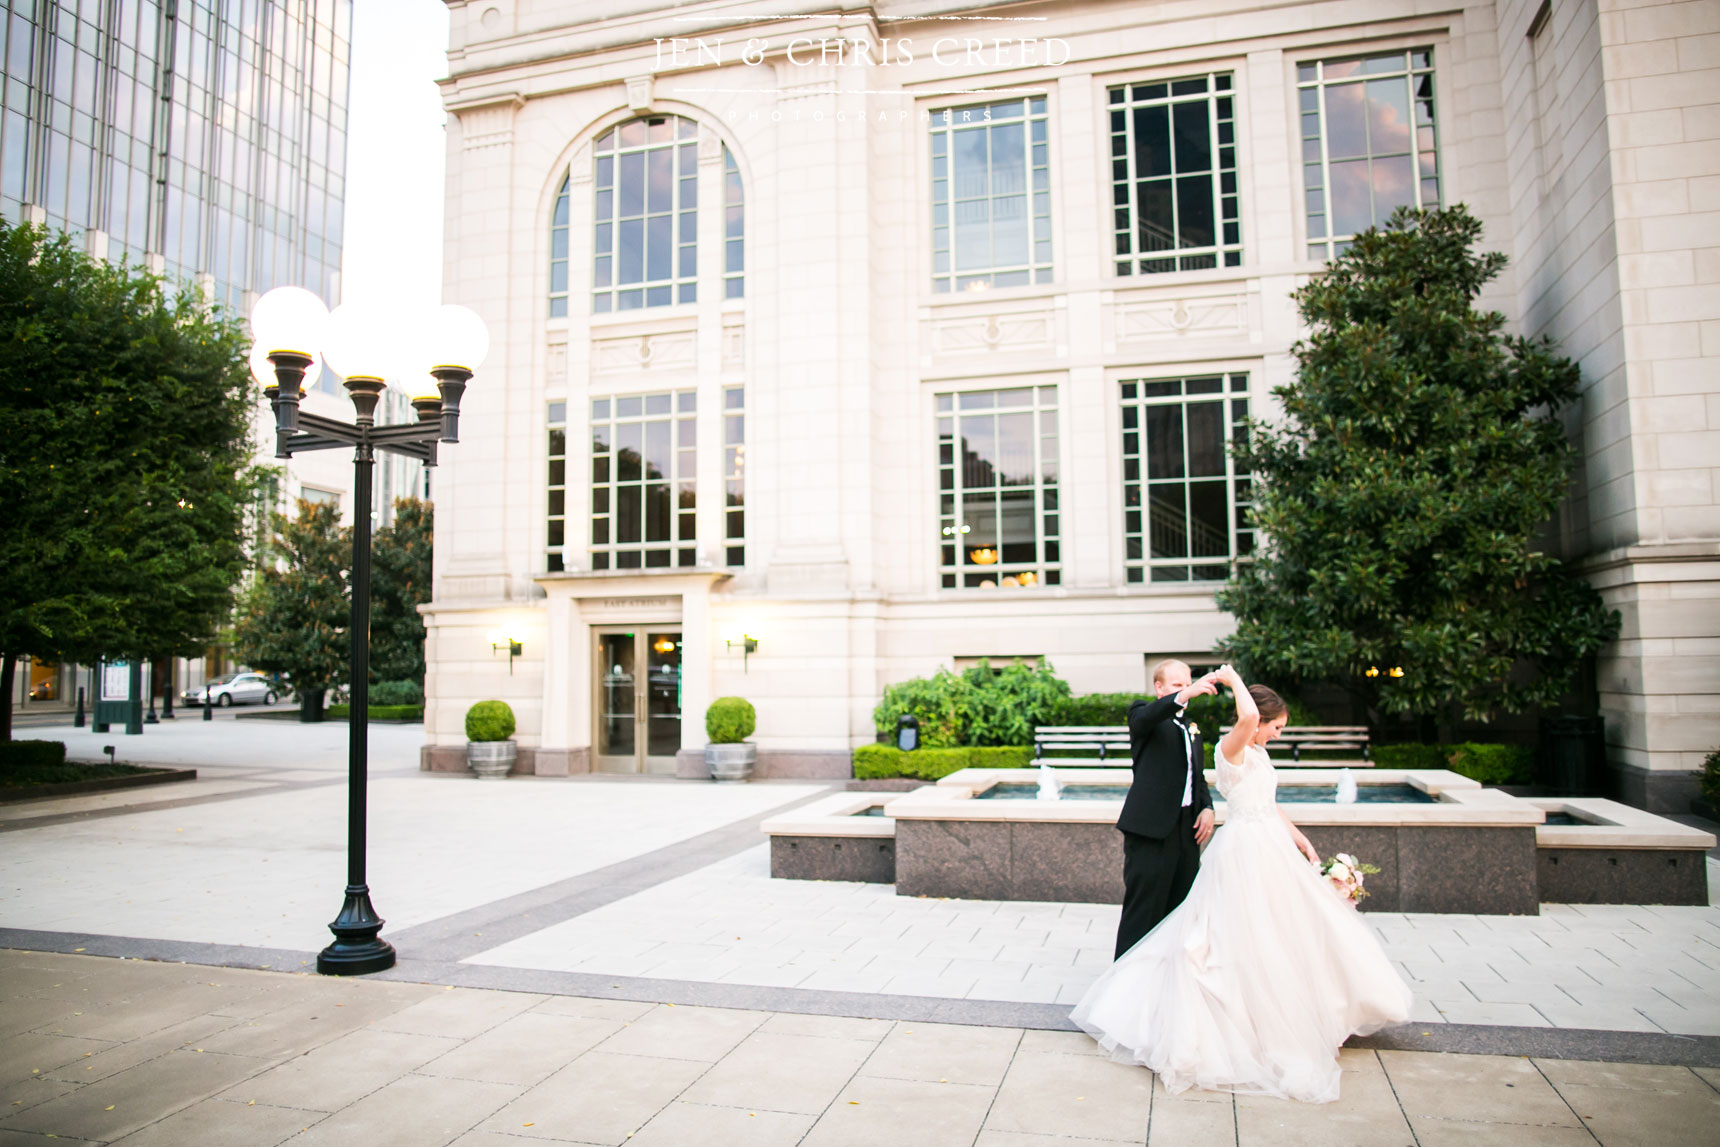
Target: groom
{"x": 1167, "y": 815}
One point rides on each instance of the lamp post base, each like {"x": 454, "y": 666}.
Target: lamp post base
{"x": 357, "y": 949}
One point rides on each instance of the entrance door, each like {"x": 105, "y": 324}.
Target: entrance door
{"x": 638, "y": 704}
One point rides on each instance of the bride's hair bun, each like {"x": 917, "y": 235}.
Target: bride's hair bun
{"x": 1270, "y": 704}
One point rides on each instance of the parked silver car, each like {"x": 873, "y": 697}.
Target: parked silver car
{"x": 239, "y": 689}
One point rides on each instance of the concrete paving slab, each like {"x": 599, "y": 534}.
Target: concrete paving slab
{"x": 1475, "y": 1088}
{"x": 944, "y": 1053}
{"x": 1365, "y": 1114}
{"x": 1191, "y": 1117}
{"x": 221, "y": 1123}
{"x": 682, "y": 1123}
{"x": 114, "y": 1107}
{"x": 902, "y": 1112}
{"x": 1052, "y": 1094}
{"x": 1637, "y": 1117}
{"x": 523, "y": 1050}
{"x": 598, "y": 1098}
{"x": 695, "y": 1033}
{"x": 342, "y": 1071}
{"x": 785, "y": 1073}
{"x": 462, "y": 1013}
{"x": 992, "y": 1138}
{"x": 413, "y": 1111}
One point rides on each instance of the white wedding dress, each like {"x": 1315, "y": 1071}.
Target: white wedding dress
{"x": 1253, "y": 982}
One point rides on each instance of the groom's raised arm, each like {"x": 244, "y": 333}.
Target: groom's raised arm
{"x": 1145, "y": 716}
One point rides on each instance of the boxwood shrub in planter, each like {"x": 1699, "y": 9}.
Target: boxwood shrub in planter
{"x": 728, "y": 723}
{"x": 489, "y": 751}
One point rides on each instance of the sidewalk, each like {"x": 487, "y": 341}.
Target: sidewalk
{"x": 138, "y": 1053}
{"x": 588, "y": 958}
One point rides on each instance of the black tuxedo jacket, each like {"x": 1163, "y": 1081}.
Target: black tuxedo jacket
{"x": 1161, "y": 763}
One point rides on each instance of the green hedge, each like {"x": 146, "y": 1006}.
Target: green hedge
{"x": 877, "y": 762}
{"x": 1408, "y": 756}
{"x": 1711, "y": 777}
{"x": 1491, "y": 764}
{"x": 1099, "y": 709}
{"x": 1494, "y": 764}
{"x": 381, "y": 712}
{"x": 31, "y": 754}
{"x": 397, "y": 693}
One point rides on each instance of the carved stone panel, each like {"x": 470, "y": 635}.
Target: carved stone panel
{"x": 659, "y": 352}
{"x": 1153, "y": 320}
{"x": 993, "y": 334}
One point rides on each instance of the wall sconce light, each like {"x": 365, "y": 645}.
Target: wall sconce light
{"x": 514, "y": 650}
{"x": 749, "y": 646}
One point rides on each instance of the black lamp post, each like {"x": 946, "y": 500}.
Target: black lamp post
{"x": 290, "y": 326}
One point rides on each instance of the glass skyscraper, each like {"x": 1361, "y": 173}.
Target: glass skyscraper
{"x": 202, "y": 137}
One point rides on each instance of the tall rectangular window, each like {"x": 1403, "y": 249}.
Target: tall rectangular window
{"x": 1185, "y": 505}
{"x": 1174, "y": 199}
{"x": 734, "y": 476}
{"x": 646, "y": 215}
{"x": 991, "y": 196}
{"x": 997, "y": 488}
{"x": 1368, "y": 143}
{"x": 644, "y": 469}
{"x": 556, "y": 539}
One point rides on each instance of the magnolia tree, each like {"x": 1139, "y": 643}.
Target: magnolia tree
{"x": 1407, "y": 492}
{"x": 125, "y": 459}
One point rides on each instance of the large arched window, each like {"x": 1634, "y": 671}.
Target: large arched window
{"x": 646, "y": 221}
{"x": 645, "y": 226}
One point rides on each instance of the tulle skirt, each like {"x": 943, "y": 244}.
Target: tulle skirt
{"x": 1253, "y": 983}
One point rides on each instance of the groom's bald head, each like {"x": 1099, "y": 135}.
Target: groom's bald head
{"x": 1170, "y": 676}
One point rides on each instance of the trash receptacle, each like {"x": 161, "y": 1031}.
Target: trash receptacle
{"x": 1573, "y": 755}
{"x": 907, "y": 732}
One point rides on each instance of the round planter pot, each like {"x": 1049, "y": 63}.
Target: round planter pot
{"x": 731, "y": 762}
{"x": 491, "y": 760}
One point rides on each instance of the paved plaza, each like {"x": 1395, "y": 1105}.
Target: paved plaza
{"x": 170, "y": 1055}
{"x": 606, "y": 957}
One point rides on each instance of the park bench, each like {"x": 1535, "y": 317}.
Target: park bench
{"x": 1112, "y": 743}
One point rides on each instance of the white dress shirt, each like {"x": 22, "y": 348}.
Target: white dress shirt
{"x": 1188, "y": 758}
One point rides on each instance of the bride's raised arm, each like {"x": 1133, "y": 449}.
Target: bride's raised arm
{"x": 1247, "y": 715}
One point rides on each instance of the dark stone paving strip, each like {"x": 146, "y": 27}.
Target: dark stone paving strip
{"x": 451, "y": 938}
{"x": 1474, "y": 1039}
{"x": 1549, "y": 1043}
{"x": 749, "y": 997}
{"x": 166, "y": 951}
{"x": 265, "y": 787}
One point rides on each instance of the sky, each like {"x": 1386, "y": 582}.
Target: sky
{"x": 395, "y": 153}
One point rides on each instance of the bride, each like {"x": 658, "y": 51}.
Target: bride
{"x": 1259, "y": 976}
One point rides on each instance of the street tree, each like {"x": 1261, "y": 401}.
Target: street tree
{"x": 1407, "y": 493}
{"x": 399, "y": 584}
{"x": 295, "y": 617}
{"x": 125, "y": 459}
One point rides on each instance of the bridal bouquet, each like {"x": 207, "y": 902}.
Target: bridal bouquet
{"x": 1345, "y": 874}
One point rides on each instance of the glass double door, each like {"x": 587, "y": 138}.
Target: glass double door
{"x": 638, "y": 703}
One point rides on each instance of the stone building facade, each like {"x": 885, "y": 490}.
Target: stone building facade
{"x": 832, "y": 349}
